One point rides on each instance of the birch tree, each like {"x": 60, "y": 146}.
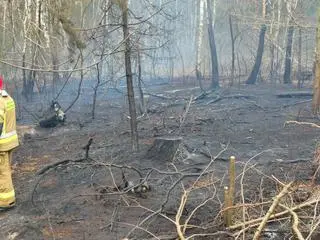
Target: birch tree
{"x": 291, "y": 6}
{"x": 199, "y": 37}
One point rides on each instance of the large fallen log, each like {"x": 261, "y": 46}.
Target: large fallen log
{"x": 164, "y": 148}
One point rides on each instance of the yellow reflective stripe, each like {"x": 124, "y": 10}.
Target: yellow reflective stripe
{"x": 7, "y": 135}
{"x": 8, "y": 139}
{"x": 7, "y": 195}
{"x": 4, "y": 127}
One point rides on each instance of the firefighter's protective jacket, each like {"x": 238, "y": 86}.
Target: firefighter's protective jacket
{"x": 8, "y": 138}
{"x": 8, "y": 141}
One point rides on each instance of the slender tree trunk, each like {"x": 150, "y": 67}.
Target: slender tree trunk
{"x": 143, "y": 107}
{"x": 316, "y": 86}
{"x": 300, "y": 59}
{"x": 256, "y": 68}
{"x": 213, "y": 49}
{"x": 199, "y": 36}
{"x": 288, "y": 62}
{"x": 127, "y": 55}
{"x": 232, "y": 51}
{"x": 26, "y": 19}
{"x": 95, "y": 91}
{"x": 4, "y": 24}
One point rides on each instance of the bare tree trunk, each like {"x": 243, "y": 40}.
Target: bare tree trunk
{"x": 213, "y": 49}
{"x": 232, "y": 51}
{"x": 288, "y": 62}
{"x": 316, "y": 86}
{"x": 143, "y": 106}
{"x": 26, "y": 19}
{"x": 199, "y": 36}
{"x": 95, "y": 90}
{"x": 300, "y": 59}
{"x": 127, "y": 55}
{"x": 100, "y": 66}
{"x": 274, "y": 32}
{"x": 256, "y": 68}
{"x": 80, "y": 83}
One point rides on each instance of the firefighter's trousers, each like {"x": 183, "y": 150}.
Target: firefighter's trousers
{"x": 7, "y": 194}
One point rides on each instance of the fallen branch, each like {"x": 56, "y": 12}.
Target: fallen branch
{"x": 290, "y": 161}
{"x": 255, "y": 222}
{"x": 56, "y": 164}
{"x": 295, "y": 222}
{"x": 302, "y": 123}
{"x": 296, "y": 103}
{"x": 237, "y": 96}
{"x": 158, "y": 96}
{"x": 294, "y": 94}
{"x": 202, "y": 95}
{"x": 271, "y": 210}
{"x": 184, "y": 115}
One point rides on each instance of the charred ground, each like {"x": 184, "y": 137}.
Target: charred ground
{"x": 77, "y": 200}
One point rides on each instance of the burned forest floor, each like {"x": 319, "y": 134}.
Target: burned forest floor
{"x": 83, "y": 197}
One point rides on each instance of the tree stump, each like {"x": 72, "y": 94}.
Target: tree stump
{"x": 164, "y": 148}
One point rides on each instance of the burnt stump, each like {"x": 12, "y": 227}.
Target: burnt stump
{"x": 164, "y": 148}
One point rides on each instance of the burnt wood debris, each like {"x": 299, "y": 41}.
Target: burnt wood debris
{"x": 53, "y": 116}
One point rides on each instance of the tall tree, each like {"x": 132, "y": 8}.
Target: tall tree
{"x": 213, "y": 49}
{"x": 316, "y": 85}
{"x": 130, "y": 91}
{"x": 199, "y": 35}
{"x": 288, "y": 60}
{"x": 256, "y": 68}
{"x": 257, "y": 65}
{"x": 291, "y": 6}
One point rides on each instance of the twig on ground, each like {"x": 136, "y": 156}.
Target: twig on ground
{"x": 236, "y": 96}
{"x": 290, "y": 161}
{"x": 295, "y": 222}
{"x": 271, "y": 210}
{"x": 302, "y": 123}
{"x": 182, "y": 205}
{"x": 209, "y": 234}
{"x": 203, "y": 95}
{"x": 296, "y": 103}
{"x": 255, "y": 222}
{"x": 184, "y": 115}
{"x": 113, "y": 217}
{"x": 56, "y": 164}
{"x": 158, "y": 96}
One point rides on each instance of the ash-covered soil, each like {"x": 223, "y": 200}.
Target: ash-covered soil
{"x": 78, "y": 199}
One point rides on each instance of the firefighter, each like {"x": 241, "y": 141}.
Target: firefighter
{"x": 8, "y": 142}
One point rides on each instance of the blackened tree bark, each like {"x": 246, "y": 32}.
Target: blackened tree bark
{"x": 288, "y": 62}
{"x": 127, "y": 56}
{"x": 256, "y": 68}
{"x": 213, "y": 49}
{"x": 143, "y": 106}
